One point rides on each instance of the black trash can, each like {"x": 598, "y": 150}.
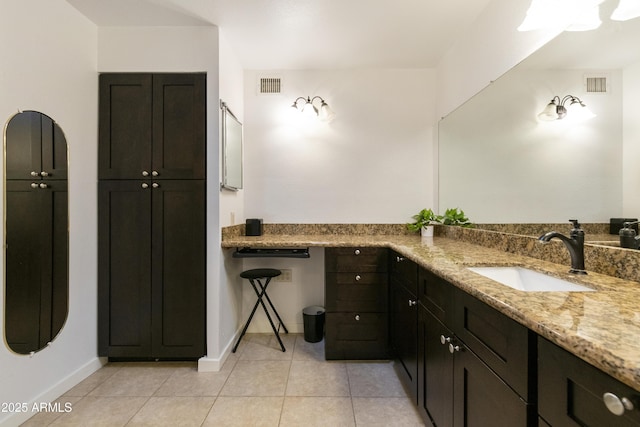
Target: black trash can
{"x": 313, "y": 318}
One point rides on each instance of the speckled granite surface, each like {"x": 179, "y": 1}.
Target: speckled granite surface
{"x": 602, "y": 327}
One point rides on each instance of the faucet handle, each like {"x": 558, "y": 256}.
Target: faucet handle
{"x": 575, "y": 223}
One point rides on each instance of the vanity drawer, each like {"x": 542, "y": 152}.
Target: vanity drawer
{"x": 356, "y": 260}
{"x": 356, "y": 335}
{"x": 356, "y": 292}
{"x": 436, "y": 294}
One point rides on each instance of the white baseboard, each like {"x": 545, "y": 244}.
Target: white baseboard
{"x": 55, "y": 391}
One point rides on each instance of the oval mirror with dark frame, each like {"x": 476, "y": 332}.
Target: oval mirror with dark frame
{"x": 231, "y": 150}
{"x": 36, "y": 231}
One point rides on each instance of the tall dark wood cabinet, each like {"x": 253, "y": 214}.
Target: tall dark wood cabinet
{"x": 151, "y": 219}
{"x": 36, "y": 231}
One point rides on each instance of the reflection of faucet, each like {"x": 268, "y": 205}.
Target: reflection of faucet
{"x": 628, "y": 238}
{"x": 575, "y": 244}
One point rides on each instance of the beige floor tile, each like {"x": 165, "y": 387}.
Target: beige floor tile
{"x": 386, "y": 411}
{"x": 135, "y": 380}
{"x": 374, "y": 379}
{"x": 46, "y": 418}
{"x": 317, "y": 411}
{"x": 245, "y": 411}
{"x": 190, "y": 382}
{"x": 101, "y": 411}
{"x": 173, "y": 412}
{"x": 317, "y": 379}
{"x": 92, "y": 381}
{"x": 266, "y": 347}
{"x": 308, "y": 351}
{"x": 257, "y": 378}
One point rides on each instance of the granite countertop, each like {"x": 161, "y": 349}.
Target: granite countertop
{"x": 602, "y": 328}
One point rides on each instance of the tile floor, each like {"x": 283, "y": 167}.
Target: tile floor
{"x": 259, "y": 385}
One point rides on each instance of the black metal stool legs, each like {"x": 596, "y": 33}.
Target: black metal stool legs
{"x": 260, "y": 294}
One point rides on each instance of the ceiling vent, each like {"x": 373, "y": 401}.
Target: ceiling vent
{"x": 269, "y": 85}
{"x": 596, "y": 84}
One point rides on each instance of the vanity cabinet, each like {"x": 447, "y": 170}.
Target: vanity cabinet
{"x": 571, "y": 392}
{"x": 151, "y": 219}
{"x": 474, "y": 365}
{"x": 356, "y": 293}
{"x": 403, "y": 275}
{"x": 152, "y": 125}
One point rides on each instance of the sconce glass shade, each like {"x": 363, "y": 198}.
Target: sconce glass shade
{"x": 550, "y": 112}
{"x": 627, "y": 9}
{"x": 326, "y": 113}
{"x": 580, "y": 112}
{"x": 588, "y": 20}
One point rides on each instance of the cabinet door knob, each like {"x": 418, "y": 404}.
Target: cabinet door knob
{"x": 399, "y": 259}
{"x": 358, "y": 277}
{"x": 154, "y": 173}
{"x": 444, "y": 339}
{"x": 145, "y": 173}
{"x": 43, "y": 185}
{"x": 145, "y": 185}
{"x": 34, "y": 173}
{"x": 412, "y": 303}
{"x": 357, "y": 252}
{"x": 453, "y": 348}
{"x": 43, "y": 173}
{"x": 616, "y": 405}
{"x": 34, "y": 185}
{"x": 357, "y": 317}
{"x": 155, "y": 185}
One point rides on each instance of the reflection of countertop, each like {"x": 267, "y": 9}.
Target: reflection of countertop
{"x": 602, "y": 327}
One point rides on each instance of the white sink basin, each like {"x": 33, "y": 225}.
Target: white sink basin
{"x": 524, "y": 279}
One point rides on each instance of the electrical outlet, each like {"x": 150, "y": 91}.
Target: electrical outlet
{"x": 286, "y": 275}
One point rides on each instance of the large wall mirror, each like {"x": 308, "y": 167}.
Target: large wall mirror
{"x": 500, "y": 164}
{"x": 231, "y": 149}
{"x": 36, "y": 231}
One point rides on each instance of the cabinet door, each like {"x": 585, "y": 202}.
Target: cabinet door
{"x": 483, "y": 399}
{"x": 435, "y": 369}
{"x": 571, "y": 391}
{"x": 178, "y": 269}
{"x": 124, "y": 148}
{"x": 179, "y": 126}
{"x": 404, "y": 320}
{"x": 124, "y": 269}
{"x": 36, "y": 263}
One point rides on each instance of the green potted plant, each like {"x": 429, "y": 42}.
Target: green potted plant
{"x": 455, "y": 216}
{"x": 423, "y": 222}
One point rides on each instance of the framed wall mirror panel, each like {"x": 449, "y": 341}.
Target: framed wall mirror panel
{"x": 231, "y": 150}
{"x": 36, "y": 231}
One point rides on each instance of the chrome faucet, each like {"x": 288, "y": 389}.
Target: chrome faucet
{"x": 574, "y": 243}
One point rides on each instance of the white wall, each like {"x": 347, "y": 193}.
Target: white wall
{"x": 49, "y": 64}
{"x": 370, "y": 165}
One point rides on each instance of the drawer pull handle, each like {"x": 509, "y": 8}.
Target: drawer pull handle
{"x": 399, "y": 259}
{"x": 444, "y": 339}
{"x": 357, "y": 317}
{"x": 453, "y": 348}
{"x": 615, "y": 405}
{"x": 412, "y": 303}
{"x": 34, "y": 185}
{"x": 358, "y": 277}
{"x": 43, "y": 185}
{"x": 145, "y": 173}
{"x": 357, "y": 252}
{"x": 145, "y": 185}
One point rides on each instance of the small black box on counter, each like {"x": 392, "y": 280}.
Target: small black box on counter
{"x": 253, "y": 227}
{"x": 615, "y": 224}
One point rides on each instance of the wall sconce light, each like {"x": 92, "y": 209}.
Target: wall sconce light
{"x": 316, "y": 105}
{"x": 627, "y": 9}
{"x": 556, "y": 109}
